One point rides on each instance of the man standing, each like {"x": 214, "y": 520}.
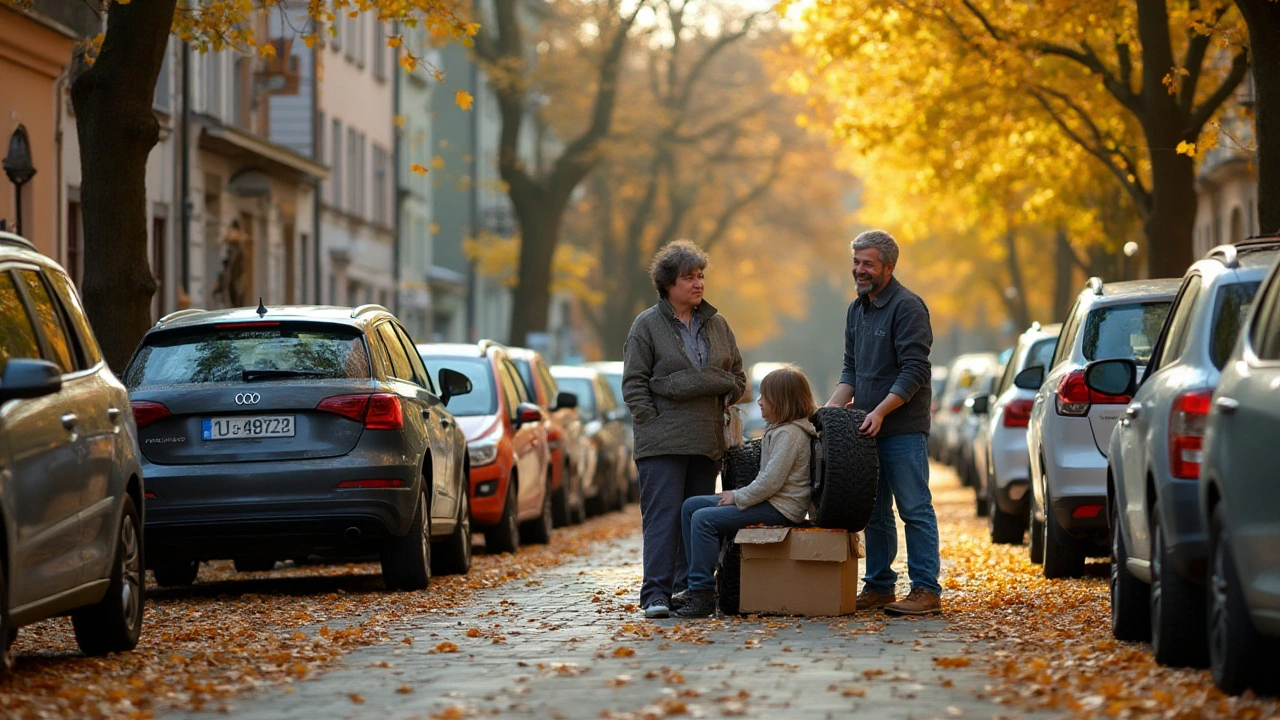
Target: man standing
{"x": 886, "y": 373}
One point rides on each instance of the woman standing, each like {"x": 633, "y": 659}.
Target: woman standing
{"x": 682, "y": 369}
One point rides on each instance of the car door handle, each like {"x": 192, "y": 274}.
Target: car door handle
{"x": 113, "y": 414}
{"x": 1227, "y": 405}
{"x": 1133, "y": 411}
{"x": 69, "y": 420}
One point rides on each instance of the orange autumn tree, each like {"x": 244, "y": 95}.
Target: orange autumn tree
{"x": 1133, "y": 85}
{"x": 111, "y": 92}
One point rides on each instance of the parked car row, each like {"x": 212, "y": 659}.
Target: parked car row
{"x": 266, "y": 435}
{"x": 1138, "y": 430}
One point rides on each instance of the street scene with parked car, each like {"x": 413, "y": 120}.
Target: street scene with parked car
{"x": 673, "y": 358}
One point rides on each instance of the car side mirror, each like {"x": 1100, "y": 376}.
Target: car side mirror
{"x": 1114, "y": 376}
{"x": 566, "y": 401}
{"x": 527, "y": 413}
{"x": 453, "y": 384}
{"x": 1030, "y": 379}
{"x": 28, "y": 378}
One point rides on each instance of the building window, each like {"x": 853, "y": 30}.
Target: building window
{"x": 362, "y": 38}
{"x": 335, "y": 173}
{"x": 349, "y": 29}
{"x": 353, "y": 168}
{"x": 163, "y": 92}
{"x": 379, "y": 51}
{"x": 379, "y": 185}
{"x": 213, "y": 84}
{"x": 159, "y": 238}
{"x": 240, "y": 93}
{"x": 75, "y": 241}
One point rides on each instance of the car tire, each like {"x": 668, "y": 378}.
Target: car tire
{"x": 848, "y": 466}
{"x": 981, "y": 498}
{"x": 505, "y": 536}
{"x": 114, "y": 623}
{"x": 1130, "y": 597}
{"x": 561, "y": 513}
{"x": 740, "y": 465}
{"x": 538, "y": 530}
{"x": 729, "y": 577}
{"x": 598, "y": 505}
{"x": 406, "y": 561}
{"x": 248, "y": 565}
{"x": 1237, "y": 651}
{"x": 7, "y": 632}
{"x": 1178, "y": 631}
{"x": 1063, "y": 556}
{"x": 176, "y": 573}
{"x": 453, "y": 557}
{"x": 739, "y": 468}
{"x": 1005, "y": 529}
{"x": 1035, "y": 528}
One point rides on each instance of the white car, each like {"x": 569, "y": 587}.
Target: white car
{"x": 1001, "y": 451}
{"x": 963, "y": 374}
{"x": 1070, "y": 423}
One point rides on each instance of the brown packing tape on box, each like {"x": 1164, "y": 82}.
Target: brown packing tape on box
{"x": 794, "y": 571}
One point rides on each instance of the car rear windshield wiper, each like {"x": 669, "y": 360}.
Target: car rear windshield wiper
{"x": 271, "y": 374}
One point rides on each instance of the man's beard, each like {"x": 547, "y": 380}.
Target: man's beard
{"x": 874, "y": 284}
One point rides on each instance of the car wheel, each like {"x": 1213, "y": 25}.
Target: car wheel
{"x": 1177, "y": 607}
{"x": 729, "y": 577}
{"x": 847, "y": 469}
{"x": 406, "y": 561}
{"x": 6, "y": 632}
{"x": 538, "y": 530}
{"x": 740, "y": 465}
{"x": 981, "y": 501}
{"x": 177, "y": 573}
{"x": 248, "y": 565}
{"x": 114, "y": 623}
{"x": 1005, "y": 529}
{"x": 560, "y": 500}
{"x": 1063, "y": 556}
{"x": 1035, "y": 533}
{"x": 453, "y": 557}
{"x": 1130, "y": 597}
{"x": 1236, "y": 648}
{"x": 505, "y": 536}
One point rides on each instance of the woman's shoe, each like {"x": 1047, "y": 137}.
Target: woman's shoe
{"x": 698, "y": 604}
{"x": 678, "y": 600}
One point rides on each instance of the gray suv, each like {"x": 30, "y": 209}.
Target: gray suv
{"x": 280, "y": 433}
{"x": 1153, "y": 462}
{"x": 71, "y": 493}
{"x": 1239, "y": 496}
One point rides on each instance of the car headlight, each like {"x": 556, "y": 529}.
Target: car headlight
{"x": 482, "y": 452}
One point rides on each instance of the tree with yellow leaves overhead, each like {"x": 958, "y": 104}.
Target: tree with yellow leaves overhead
{"x": 1134, "y": 86}
{"x": 111, "y": 93}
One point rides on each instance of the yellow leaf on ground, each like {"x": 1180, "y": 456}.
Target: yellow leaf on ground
{"x": 623, "y": 652}
{"x": 445, "y": 647}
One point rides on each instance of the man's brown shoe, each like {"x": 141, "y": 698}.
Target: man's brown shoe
{"x": 869, "y": 600}
{"x": 918, "y": 602}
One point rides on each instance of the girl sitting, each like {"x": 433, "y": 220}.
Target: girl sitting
{"x": 778, "y": 496}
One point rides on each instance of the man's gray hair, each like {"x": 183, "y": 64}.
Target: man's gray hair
{"x": 880, "y": 240}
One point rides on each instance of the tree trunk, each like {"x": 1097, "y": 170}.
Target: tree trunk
{"x": 1170, "y": 228}
{"x": 117, "y": 129}
{"x": 1064, "y": 275}
{"x": 1017, "y": 304}
{"x": 1263, "y": 19}
{"x": 539, "y": 231}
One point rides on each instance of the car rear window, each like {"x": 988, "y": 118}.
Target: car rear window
{"x": 1124, "y": 331}
{"x": 586, "y": 397}
{"x": 222, "y": 354}
{"x": 1042, "y": 353}
{"x": 1228, "y": 317}
{"x": 482, "y": 400}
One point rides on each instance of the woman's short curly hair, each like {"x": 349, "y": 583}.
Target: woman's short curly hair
{"x": 672, "y": 261}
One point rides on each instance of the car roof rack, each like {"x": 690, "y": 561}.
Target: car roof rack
{"x": 1230, "y": 253}
{"x": 1095, "y": 284}
{"x": 177, "y": 314}
{"x": 371, "y": 307}
{"x": 9, "y": 238}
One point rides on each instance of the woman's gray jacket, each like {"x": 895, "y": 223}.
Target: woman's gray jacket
{"x": 678, "y": 407}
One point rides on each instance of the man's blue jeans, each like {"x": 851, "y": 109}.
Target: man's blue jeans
{"x": 704, "y": 523}
{"x": 904, "y": 479}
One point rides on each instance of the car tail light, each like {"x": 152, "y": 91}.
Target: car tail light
{"x": 1074, "y": 398}
{"x": 376, "y": 483}
{"x": 1018, "y": 413}
{"x": 1187, "y": 422}
{"x": 957, "y": 407}
{"x": 145, "y": 412}
{"x": 1086, "y": 511}
{"x": 384, "y": 413}
{"x": 377, "y": 412}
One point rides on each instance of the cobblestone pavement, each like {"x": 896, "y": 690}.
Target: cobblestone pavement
{"x": 571, "y": 644}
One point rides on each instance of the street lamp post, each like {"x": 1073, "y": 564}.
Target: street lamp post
{"x": 17, "y": 165}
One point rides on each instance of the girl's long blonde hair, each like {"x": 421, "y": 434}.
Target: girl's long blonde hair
{"x": 787, "y": 390}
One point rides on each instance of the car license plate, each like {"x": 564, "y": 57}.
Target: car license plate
{"x": 248, "y": 427}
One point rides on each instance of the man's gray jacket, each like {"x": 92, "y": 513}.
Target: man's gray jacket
{"x": 886, "y": 350}
{"x": 678, "y": 407}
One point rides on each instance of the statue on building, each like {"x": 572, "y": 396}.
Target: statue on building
{"x": 230, "y": 288}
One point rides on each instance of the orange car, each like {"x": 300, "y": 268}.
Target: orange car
{"x": 569, "y": 445}
{"x": 508, "y": 452}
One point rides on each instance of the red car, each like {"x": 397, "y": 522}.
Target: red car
{"x": 569, "y": 446}
{"x": 508, "y": 451}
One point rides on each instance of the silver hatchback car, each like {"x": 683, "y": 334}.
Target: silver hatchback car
{"x": 71, "y": 492}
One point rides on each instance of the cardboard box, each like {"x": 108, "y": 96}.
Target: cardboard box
{"x": 799, "y": 571}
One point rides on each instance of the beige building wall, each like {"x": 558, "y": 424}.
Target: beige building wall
{"x": 1227, "y": 209}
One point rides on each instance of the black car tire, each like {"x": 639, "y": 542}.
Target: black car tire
{"x": 1130, "y": 597}
{"x": 253, "y": 564}
{"x": 981, "y": 501}
{"x": 538, "y": 530}
{"x": 505, "y": 536}
{"x": 1237, "y": 651}
{"x": 598, "y": 505}
{"x": 1035, "y": 528}
{"x": 1063, "y": 556}
{"x": 6, "y": 632}
{"x": 729, "y": 577}
{"x": 561, "y": 513}
{"x": 176, "y": 573}
{"x": 1005, "y": 529}
{"x": 740, "y": 465}
{"x": 406, "y": 561}
{"x": 1178, "y": 631}
{"x": 849, "y": 469}
{"x": 453, "y": 556}
{"x": 114, "y": 623}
